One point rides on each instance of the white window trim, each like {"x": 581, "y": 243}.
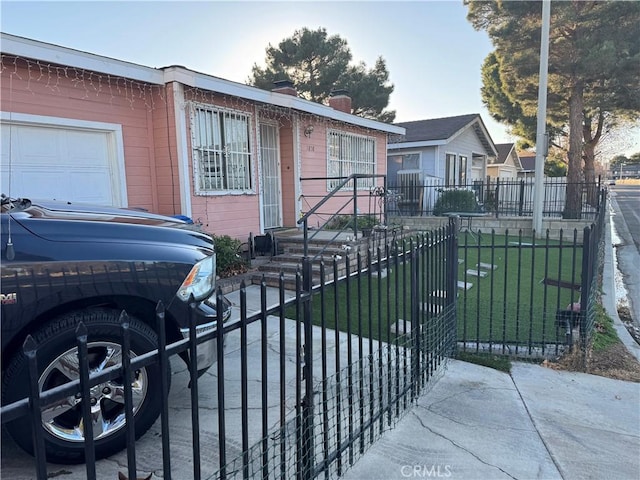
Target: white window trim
{"x": 253, "y": 142}
{"x": 260, "y": 189}
{"x": 445, "y": 175}
{"x": 115, "y": 142}
{"x": 410, "y": 152}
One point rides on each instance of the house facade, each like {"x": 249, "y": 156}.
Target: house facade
{"x": 453, "y": 150}
{"x": 507, "y": 164}
{"x": 528, "y": 163}
{"x": 236, "y": 159}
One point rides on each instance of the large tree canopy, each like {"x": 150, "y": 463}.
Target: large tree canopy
{"x": 317, "y": 64}
{"x": 593, "y": 81}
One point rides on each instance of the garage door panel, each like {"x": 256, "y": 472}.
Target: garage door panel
{"x": 89, "y": 187}
{"x": 36, "y": 146}
{"x": 34, "y": 183}
{"x": 81, "y": 186}
{"x": 87, "y": 147}
{"x": 61, "y": 163}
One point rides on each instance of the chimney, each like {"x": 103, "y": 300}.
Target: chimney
{"x": 340, "y": 100}
{"x": 285, "y": 86}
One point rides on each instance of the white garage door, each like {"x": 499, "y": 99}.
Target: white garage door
{"x": 58, "y": 163}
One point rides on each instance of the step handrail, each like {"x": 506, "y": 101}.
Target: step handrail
{"x": 304, "y": 220}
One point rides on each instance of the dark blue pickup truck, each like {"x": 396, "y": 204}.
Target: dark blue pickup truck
{"x": 63, "y": 263}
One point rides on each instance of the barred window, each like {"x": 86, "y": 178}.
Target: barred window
{"x": 348, "y": 154}
{"x": 221, "y": 150}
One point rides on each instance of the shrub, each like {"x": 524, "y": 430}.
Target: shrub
{"x": 455, "y": 201}
{"x": 342, "y": 222}
{"x": 229, "y": 261}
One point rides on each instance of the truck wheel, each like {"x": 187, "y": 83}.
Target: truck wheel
{"x": 57, "y": 357}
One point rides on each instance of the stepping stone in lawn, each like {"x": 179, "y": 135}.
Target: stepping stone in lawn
{"x": 477, "y": 273}
{"x": 465, "y": 285}
{"x": 460, "y": 260}
{"x": 400, "y": 327}
{"x": 487, "y": 266}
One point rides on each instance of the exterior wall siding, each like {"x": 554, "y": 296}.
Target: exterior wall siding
{"x": 52, "y": 91}
{"x": 464, "y": 144}
{"x": 314, "y": 165}
{"x": 232, "y": 214}
{"x": 152, "y": 141}
{"x": 165, "y": 148}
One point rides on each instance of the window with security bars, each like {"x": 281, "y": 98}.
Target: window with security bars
{"x": 348, "y": 154}
{"x": 222, "y": 150}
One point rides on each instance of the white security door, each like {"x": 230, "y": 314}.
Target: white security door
{"x": 271, "y": 181}
{"x": 59, "y": 163}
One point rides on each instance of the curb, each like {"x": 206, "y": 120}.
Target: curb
{"x": 609, "y": 292}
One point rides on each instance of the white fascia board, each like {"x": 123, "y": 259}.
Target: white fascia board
{"x": 227, "y": 87}
{"x": 46, "y": 52}
{"x": 430, "y": 143}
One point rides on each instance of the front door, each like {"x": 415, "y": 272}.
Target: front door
{"x": 271, "y": 181}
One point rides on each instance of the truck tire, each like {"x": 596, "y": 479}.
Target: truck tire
{"x": 58, "y": 364}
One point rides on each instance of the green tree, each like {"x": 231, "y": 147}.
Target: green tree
{"x": 555, "y": 167}
{"x": 594, "y": 57}
{"x": 317, "y": 64}
{"x": 617, "y": 160}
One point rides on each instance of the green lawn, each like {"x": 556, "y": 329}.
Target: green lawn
{"x": 518, "y": 300}
{"x": 513, "y": 303}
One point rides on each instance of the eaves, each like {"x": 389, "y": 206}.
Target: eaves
{"x": 63, "y": 56}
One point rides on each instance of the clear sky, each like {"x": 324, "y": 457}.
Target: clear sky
{"x": 432, "y": 52}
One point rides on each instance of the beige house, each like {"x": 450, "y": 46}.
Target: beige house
{"x": 506, "y": 165}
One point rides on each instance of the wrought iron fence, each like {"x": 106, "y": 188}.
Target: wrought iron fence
{"x": 526, "y": 296}
{"x": 305, "y": 383}
{"x": 308, "y": 381}
{"x": 499, "y": 198}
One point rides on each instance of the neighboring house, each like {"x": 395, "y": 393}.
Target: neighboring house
{"x": 81, "y": 127}
{"x": 507, "y": 164}
{"x": 442, "y": 152}
{"x": 453, "y": 149}
{"x": 528, "y": 162}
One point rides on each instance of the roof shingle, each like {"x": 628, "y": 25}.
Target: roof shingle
{"x": 434, "y": 128}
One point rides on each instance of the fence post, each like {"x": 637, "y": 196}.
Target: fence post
{"x": 452, "y": 279}
{"x": 307, "y": 373}
{"x": 585, "y": 289}
{"x": 521, "y": 199}
{"x": 355, "y": 209}
{"x": 415, "y": 321}
{"x": 497, "y": 198}
{"x": 30, "y": 350}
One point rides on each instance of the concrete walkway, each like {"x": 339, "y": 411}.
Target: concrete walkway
{"x": 478, "y": 423}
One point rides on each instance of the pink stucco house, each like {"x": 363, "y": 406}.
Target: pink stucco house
{"x": 81, "y": 127}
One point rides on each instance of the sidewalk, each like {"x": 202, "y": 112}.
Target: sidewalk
{"x": 479, "y": 423}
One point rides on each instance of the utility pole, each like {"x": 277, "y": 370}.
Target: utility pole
{"x": 542, "y": 143}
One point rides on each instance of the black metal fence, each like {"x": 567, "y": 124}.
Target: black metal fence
{"x": 308, "y": 380}
{"x": 527, "y": 296}
{"x": 499, "y": 198}
{"x": 305, "y": 383}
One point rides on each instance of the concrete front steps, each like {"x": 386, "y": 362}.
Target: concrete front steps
{"x": 323, "y": 247}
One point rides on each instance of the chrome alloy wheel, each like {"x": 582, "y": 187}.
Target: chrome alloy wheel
{"x": 64, "y": 419}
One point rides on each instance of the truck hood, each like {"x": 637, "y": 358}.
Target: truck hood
{"x": 76, "y": 222}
